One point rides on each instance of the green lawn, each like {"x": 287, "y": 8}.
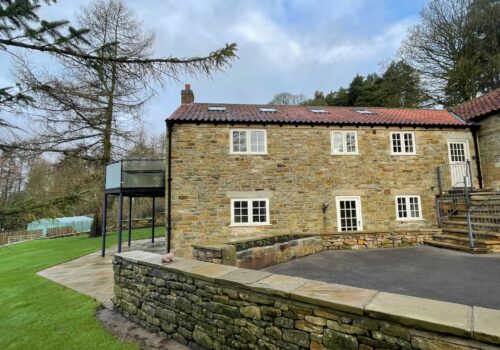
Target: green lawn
{"x": 36, "y": 313}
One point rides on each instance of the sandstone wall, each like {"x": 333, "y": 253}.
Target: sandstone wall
{"x": 489, "y": 150}
{"x": 260, "y": 253}
{"x": 209, "y": 306}
{"x": 299, "y": 175}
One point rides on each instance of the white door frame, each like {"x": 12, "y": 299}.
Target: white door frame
{"x": 359, "y": 212}
{"x": 457, "y": 173}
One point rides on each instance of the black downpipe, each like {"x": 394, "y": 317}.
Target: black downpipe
{"x": 170, "y": 127}
{"x": 478, "y": 158}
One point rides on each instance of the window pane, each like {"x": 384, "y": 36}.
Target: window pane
{"x": 396, "y": 143}
{"x": 259, "y": 213}
{"x": 239, "y": 141}
{"x": 414, "y": 207}
{"x": 350, "y": 141}
{"x": 257, "y": 141}
{"x": 338, "y": 145}
{"x": 408, "y": 137}
{"x": 240, "y": 213}
{"x": 402, "y": 210}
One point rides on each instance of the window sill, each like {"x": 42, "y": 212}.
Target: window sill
{"x": 404, "y": 154}
{"x": 410, "y": 220}
{"x": 248, "y": 154}
{"x": 345, "y": 154}
{"x": 250, "y": 225}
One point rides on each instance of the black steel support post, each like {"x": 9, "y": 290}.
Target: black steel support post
{"x": 129, "y": 220}
{"x": 153, "y": 222}
{"x": 104, "y": 219}
{"x": 120, "y": 224}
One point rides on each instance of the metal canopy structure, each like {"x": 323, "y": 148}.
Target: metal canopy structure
{"x": 132, "y": 178}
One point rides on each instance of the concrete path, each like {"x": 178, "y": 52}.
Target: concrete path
{"x": 425, "y": 272}
{"x": 92, "y": 274}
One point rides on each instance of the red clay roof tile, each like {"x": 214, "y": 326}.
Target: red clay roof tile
{"x": 479, "y": 107}
{"x": 245, "y": 113}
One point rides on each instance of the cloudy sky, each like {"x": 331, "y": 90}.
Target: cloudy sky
{"x": 296, "y": 46}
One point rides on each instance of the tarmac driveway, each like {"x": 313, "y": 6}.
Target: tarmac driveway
{"x": 425, "y": 272}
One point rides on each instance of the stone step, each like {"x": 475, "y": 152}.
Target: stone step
{"x": 460, "y": 239}
{"x": 494, "y": 235}
{"x": 490, "y": 226}
{"x": 456, "y": 247}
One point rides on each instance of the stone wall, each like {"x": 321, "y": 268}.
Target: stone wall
{"x": 257, "y": 253}
{"x": 209, "y": 306}
{"x": 299, "y": 175}
{"x": 489, "y": 150}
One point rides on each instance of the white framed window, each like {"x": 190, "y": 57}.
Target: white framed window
{"x": 403, "y": 142}
{"x": 408, "y": 208}
{"x": 248, "y": 141}
{"x": 249, "y": 211}
{"x": 349, "y": 215}
{"x": 344, "y": 142}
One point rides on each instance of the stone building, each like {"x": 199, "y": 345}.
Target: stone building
{"x": 485, "y": 111}
{"x": 238, "y": 170}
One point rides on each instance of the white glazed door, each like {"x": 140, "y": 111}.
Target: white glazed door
{"x": 458, "y": 152}
{"x": 349, "y": 216}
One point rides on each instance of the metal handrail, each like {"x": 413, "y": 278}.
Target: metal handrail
{"x": 485, "y": 223}
{"x": 445, "y": 180}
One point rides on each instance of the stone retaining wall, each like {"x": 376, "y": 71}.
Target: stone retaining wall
{"x": 257, "y": 253}
{"x": 213, "y": 306}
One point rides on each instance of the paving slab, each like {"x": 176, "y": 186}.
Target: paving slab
{"x": 336, "y": 296}
{"x": 432, "y": 315}
{"x": 486, "y": 325}
{"x": 92, "y": 274}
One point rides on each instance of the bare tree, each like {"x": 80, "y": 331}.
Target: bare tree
{"x": 287, "y": 98}
{"x": 455, "y": 48}
{"x": 92, "y": 108}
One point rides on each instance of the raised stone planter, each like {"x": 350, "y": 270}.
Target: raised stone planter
{"x": 213, "y": 306}
{"x": 260, "y": 252}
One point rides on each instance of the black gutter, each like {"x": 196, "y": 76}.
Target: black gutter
{"x": 478, "y": 158}
{"x": 170, "y": 127}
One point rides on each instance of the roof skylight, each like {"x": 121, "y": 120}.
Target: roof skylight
{"x": 216, "y": 108}
{"x": 317, "y": 110}
{"x": 363, "y": 111}
{"x": 269, "y": 110}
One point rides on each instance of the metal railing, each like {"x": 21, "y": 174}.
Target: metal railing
{"x": 455, "y": 201}
{"x": 484, "y": 218}
{"x": 450, "y": 176}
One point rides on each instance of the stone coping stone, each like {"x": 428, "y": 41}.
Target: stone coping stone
{"x": 242, "y": 277}
{"x": 419, "y": 313}
{"x": 200, "y": 269}
{"x": 486, "y": 325}
{"x": 432, "y": 315}
{"x": 210, "y": 246}
{"x": 138, "y": 255}
{"x": 279, "y": 285}
{"x": 335, "y": 296}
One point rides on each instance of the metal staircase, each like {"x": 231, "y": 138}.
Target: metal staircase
{"x": 469, "y": 218}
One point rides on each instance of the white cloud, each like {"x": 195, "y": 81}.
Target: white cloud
{"x": 284, "y": 45}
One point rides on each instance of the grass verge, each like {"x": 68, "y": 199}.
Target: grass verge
{"x": 39, "y": 314}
